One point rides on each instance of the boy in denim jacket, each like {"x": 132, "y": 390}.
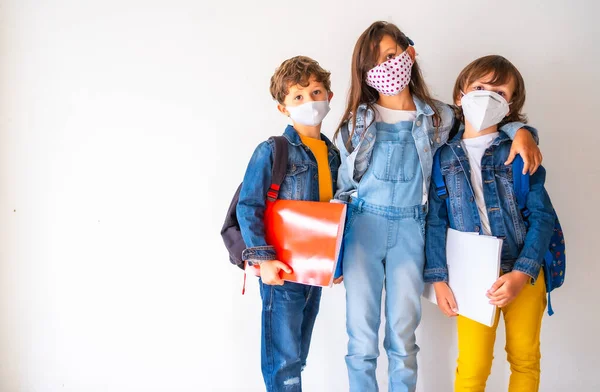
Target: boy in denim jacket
{"x": 303, "y": 91}
{"x": 481, "y": 199}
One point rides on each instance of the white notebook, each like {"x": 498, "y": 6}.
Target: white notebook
{"x": 473, "y": 266}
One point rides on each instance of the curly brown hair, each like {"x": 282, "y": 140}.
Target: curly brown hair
{"x": 297, "y": 70}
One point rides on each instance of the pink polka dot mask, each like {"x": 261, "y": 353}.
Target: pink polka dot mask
{"x": 392, "y": 76}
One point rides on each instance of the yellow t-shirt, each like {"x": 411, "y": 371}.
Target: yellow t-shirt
{"x": 319, "y": 150}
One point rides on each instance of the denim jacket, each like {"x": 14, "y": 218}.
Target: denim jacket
{"x": 427, "y": 140}
{"x": 522, "y": 249}
{"x": 301, "y": 183}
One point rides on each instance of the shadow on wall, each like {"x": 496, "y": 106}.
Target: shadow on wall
{"x": 437, "y": 358}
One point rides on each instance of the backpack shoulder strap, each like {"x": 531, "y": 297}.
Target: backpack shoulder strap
{"x": 279, "y": 169}
{"x": 520, "y": 184}
{"x": 455, "y": 128}
{"x": 437, "y": 177}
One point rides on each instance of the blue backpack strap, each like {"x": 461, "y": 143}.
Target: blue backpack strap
{"x": 521, "y": 187}
{"x": 550, "y": 310}
{"x": 438, "y": 178}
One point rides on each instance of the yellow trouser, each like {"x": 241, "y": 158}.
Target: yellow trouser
{"x": 523, "y": 322}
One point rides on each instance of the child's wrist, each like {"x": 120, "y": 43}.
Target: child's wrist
{"x": 521, "y": 274}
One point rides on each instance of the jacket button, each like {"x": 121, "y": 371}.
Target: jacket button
{"x": 472, "y": 199}
{"x": 477, "y": 229}
{"x": 418, "y": 123}
{"x": 293, "y": 168}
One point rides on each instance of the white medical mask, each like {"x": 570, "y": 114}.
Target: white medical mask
{"x": 310, "y": 114}
{"x": 483, "y": 108}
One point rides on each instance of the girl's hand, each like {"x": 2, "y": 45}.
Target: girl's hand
{"x": 445, "y": 299}
{"x": 507, "y": 287}
{"x": 338, "y": 280}
{"x": 269, "y": 272}
{"x": 528, "y": 149}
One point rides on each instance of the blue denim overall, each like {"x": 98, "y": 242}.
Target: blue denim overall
{"x": 384, "y": 247}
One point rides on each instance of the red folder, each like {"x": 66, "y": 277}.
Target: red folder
{"x": 307, "y": 236}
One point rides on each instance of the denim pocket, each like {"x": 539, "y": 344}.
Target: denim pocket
{"x": 421, "y": 223}
{"x": 295, "y": 181}
{"x": 395, "y": 161}
{"x": 506, "y": 191}
{"x": 351, "y": 214}
{"x": 459, "y": 192}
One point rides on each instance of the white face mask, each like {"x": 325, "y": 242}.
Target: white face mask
{"x": 482, "y": 108}
{"x": 310, "y": 114}
{"x": 392, "y": 76}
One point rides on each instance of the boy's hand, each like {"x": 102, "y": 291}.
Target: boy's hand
{"x": 507, "y": 287}
{"x": 338, "y": 280}
{"x": 445, "y": 299}
{"x": 269, "y": 272}
{"x": 528, "y": 149}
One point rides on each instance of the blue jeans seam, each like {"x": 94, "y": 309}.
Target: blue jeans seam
{"x": 268, "y": 339}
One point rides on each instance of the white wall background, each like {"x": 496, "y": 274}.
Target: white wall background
{"x": 125, "y": 127}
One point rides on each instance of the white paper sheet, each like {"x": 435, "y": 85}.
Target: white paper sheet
{"x": 473, "y": 266}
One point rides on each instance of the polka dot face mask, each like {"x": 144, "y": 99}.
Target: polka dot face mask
{"x": 392, "y": 76}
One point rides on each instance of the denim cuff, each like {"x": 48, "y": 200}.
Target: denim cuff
{"x": 528, "y": 266}
{"x": 433, "y": 275}
{"x": 258, "y": 254}
{"x": 533, "y": 132}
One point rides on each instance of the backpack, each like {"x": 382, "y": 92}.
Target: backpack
{"x": 554, "y": 264}
{"x": 230, "y": 232}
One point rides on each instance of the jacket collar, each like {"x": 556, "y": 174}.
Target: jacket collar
{"x": 455, "y": 141}
{"x": 423, "y": 109}
{"x": 294, "y": 138}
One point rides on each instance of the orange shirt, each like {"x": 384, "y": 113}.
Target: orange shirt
{"x": 319, "y": 150}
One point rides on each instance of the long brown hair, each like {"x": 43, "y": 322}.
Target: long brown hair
{"x": 364, "y": 58}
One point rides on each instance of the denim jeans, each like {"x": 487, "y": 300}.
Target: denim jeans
{"x": 383, "y": 248}
{"x": 288, "y": 317}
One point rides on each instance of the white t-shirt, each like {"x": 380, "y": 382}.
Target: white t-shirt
{"x": 392, "y": 116}
{"x": 475, "y": 148}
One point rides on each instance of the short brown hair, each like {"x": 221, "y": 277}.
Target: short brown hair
{"x": 502, "y": 71}
{"x": 297, "y": 70}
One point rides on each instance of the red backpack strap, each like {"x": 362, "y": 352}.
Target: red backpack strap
{"x": 279, "y": 169}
